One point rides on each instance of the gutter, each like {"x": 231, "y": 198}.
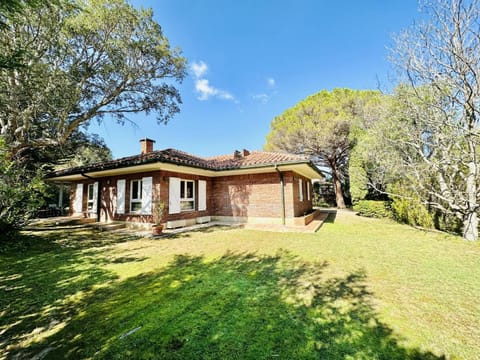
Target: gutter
{"x": 87, "y": 176}
{"x": 282, "y": 192}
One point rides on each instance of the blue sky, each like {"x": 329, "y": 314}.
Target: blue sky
{"x": 251, "y": 60}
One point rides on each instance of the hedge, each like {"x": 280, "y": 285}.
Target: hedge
{"x": 373, "y": 208}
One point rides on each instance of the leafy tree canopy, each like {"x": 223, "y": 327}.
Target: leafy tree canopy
{"x": 83, "y": 60}
{"x": 438, "y": 144}
{"x": 320, "y": 126}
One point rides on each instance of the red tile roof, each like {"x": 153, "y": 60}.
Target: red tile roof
{"x": 173, "y": 156}
{"x": 226, "y": 162}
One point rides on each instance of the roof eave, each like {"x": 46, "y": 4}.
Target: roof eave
{"x": 174, "y": 166}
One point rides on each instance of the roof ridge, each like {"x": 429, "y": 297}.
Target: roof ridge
{"x": 277, "y": 152}
{"x": 183, "y": 153}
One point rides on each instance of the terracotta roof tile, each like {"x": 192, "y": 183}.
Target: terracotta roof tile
{"x": 173, "y": 156}
{"x": 224, "y": 162}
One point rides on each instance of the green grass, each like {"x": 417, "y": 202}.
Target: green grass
{"x": 358, "y": 289}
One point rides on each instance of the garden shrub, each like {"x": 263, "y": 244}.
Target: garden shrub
{"x": 373, "y": 208}
{"x": 411, "y": 211}
{"x": 21, "y": 194}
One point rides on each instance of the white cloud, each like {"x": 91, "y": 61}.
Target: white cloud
{"x": 205, "y": 91}
{"x": 263, "y": 98}
{"x": 199, "y": 69}
{"x": 202, "y": 86}
{"x": 266, "y": 96}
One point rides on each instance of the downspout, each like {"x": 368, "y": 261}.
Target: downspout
{"x": 282, "y": 192}
{"x": 99, "y": 193}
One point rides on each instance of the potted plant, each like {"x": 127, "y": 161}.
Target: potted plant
{"x": 158, "y": 211}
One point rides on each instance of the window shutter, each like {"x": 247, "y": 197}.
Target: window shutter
{"x": 308, "y": 190}
{"x": 95, "y": 197}
{"x": 300, "y": 189}
{"x": 202, "y": 195}
{"x": 174, "y": 196}
{"x": 78, "y": 203}
{"x": 147, "y": 196}
{"x": 121, "y": 196}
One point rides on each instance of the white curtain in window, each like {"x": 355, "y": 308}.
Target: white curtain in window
{"x": 308, "y": 190}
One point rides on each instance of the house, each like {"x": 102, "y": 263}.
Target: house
{"x": 255, "y": 187}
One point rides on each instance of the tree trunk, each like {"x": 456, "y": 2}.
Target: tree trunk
{"x": 470, "y": 226}
{"x": 470, "y": 219}
{"x": 337, "y": 185}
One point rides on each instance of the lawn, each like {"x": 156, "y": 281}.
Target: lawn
{"x": 358, "y": 289}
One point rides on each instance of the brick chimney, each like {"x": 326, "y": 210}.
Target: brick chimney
{"x": 237, "y": 154}
{"x": 245, "y": 152}
{"x": 146, "y": 145}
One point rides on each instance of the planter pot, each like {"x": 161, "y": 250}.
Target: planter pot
{"x": 157, "y": 230}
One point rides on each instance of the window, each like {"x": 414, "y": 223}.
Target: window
{"x": 90, "y": 198}
{"x": 136, "y": 195}
{"x": 187, "y": 195}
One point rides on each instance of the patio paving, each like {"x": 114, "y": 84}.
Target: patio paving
{"x": 60, "y": 222}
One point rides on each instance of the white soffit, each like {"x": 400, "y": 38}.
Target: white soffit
{"x": 302, "y": 169}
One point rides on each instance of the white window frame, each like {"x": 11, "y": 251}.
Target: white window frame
{"x": 308, "y": 190}
{"x": 185, "y": 199}
{"x": 136, "y": 200}
{"x": 91, "y": 201}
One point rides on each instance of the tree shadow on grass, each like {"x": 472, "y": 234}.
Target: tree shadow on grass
{"x": 238, "y": 306}
{"x": 41, "y": 278}
{"x": 188, "y": 232}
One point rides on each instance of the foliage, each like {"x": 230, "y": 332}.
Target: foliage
{"x": 86, "y": 60}
{"x": 336, "y": 294}
{"x": 158, "y": 211}
{"x": 323, "y": 194}
{"x": 319, "y": 126}
{"x": 409, "y": 208}
{"x": 21, "y": 194}
{"x": 373, "y": 208}
{"x": 80, "y": 149}
{"x": 434, "y": 134}
{"x": 358, "y": 177}
{"x": 10, "y": 9}
{"x": 366, "y": 181}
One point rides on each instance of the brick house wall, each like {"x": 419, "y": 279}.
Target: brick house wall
{"x": 191, "y": 214}
{"x": 301, "y": 207}
{"x": 253, "y": 195}
{"x": 160, "y": 190}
